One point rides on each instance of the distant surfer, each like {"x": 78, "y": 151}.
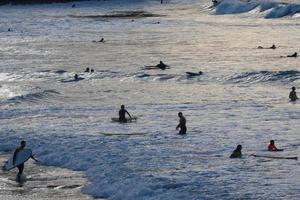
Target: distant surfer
{"x": 101, "y": 40}
{"x": 76, "y": 77}
{"x": 293, "y": 95}
{"x": 87, "y": 69}
{"x": 182, "y": 124}
{"x": 162, "y": 65}
{"x": 272, "y": 47}
{"x": 194, "y": 73}
{"x": 237, "y": 153}
{"x": 294, "y": 55}
{"x": 272, "y": 146}
{"x": 122, "y": 114}
{"x": 215, "y": 2}
{"x": 92, "y": 70}
{"x": 21, "y": 166}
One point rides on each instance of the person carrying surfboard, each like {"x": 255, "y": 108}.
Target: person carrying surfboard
{"x": 182, "y": 124}
{"x": 293, "y": 95}
{"x": 122, "y": 113}
{"x": 21, "y": 166}
{"x": 237, "y": 153}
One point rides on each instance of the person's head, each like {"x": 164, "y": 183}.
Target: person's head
{"x": 180, "y": 114}
{"x": 293, "y": 88}
{"x": 272, "y": 142}
{"x": 76, "y": 76}
{"x": 122, "y": 107}
{"x": 160, "y": 62}
{"x": 23, "y": 143}
{"x": 239, "y": 147}
{"x": 92, "y": 70}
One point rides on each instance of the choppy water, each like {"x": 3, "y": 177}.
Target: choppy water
{"x": 241, "y": 98}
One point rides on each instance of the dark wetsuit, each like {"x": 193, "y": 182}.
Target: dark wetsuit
{"x": 182, "y": 126}
{"x": 236, "y": 154}
{"x": 122, "y": 114}
{"x": 293, "y": 96}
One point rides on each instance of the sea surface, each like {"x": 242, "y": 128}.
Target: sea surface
{"x": 241, "y": 97}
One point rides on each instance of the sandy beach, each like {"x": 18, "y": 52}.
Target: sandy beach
{"x": 47, "y": 183}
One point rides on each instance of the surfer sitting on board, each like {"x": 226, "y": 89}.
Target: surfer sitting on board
{"x": 122, "y": 114}
{"x": 182, "y": 124}
{"x": 293, "y": 94}
{"x": 161, "y": 65}
{"x": 272, "y": 146}
{"x": 237, "y": 153}
{"x": 21, "y": 166}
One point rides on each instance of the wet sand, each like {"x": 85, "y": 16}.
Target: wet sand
{"x": 45, "y": 183}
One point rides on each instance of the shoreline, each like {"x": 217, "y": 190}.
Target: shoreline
{"x": 43, "y": 182}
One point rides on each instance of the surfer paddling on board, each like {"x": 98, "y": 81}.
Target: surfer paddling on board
{"x": 122, "y": 113}
{"x": 237, "y": 153}
{"x": 182, "y": 124}
{"x": 293, "y": 95}
{"x": 21, "y": 166}
{"x": 293, "y": 55}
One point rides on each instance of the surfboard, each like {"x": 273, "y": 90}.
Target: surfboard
{"x": 116, "y": 119}
{"x": 275, "y": 157}
{"x": 21, "y": 157}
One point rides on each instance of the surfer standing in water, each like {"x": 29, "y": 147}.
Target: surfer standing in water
{"x": 293, "y": 94}
{"x": 122, "y": 113}
{"x": 182, "y": 124}
{"x": 21, "y": 166}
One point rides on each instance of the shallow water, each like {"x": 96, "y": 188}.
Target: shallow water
{"x": 241, "y": 98}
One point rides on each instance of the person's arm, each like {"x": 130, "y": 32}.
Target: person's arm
{"x": 34, "y": 158}
{"x": 128, "y": 114}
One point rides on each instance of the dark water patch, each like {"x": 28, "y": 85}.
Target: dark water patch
{"x": 119, "y": 14}
{"x": 61, "y": 71}
{"x": 265, "y": 76}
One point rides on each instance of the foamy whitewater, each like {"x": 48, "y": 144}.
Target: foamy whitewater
{"x": 241, "y": 98}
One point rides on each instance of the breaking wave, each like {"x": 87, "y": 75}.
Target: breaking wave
{"x": 268, "y": 8}
{"x": 265, "y": 76}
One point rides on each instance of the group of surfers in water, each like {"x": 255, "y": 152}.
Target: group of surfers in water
{"x": 294, "y": 55}
{"x": 237, "y": 153}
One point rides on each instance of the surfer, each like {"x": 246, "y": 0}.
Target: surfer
{"x": 273, "y": 47}
{"x": 237, "y": 153}
{"x": 87, "y": 69}
{"x": 194, "y": 73}
{"x": 162, "y": 65}
{"x": 293, "y": 95}
{"x": 122, "y": 113}
{"x": 92, "y": 70}
{"x": 182, "y": 124}
{"x": 215, "y": 2}
{"x": 293, "y": 55}
{"x": 101, "y": 40}
{"x": 21, "y": 166}
{"x": 272, "y": 146}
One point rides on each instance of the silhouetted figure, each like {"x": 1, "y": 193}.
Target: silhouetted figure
{"x": 8, "y": 29}
{"x": 73, "y": 6}
{"x": 194, "y": 73}
{"x": 182, "y": 124}
{"x": 87, "y": 69}
{"x": 76, "y": 77}
{"x": 21, "y": 166}
{"x": 122, "y": 114}
{"x": 273, "y": 47}
{"x": 102, "y": 40}
{"x": 293, "y": 95}
{"x": 162, "y": 65}
{"x": 272, "y": 146}
{"x": 215, "y": 2}
{"x": 92, "y": 70}
{"x": 293, "y": 55}
{"x": 237, "y": 153}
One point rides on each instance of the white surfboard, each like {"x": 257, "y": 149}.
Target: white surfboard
{"x": 21, "y": 157}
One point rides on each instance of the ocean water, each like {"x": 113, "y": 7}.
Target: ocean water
{"x": 241, "y": 98}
